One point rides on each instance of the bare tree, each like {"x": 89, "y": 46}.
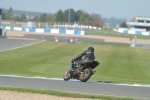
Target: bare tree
{"x": 96, "y": 17}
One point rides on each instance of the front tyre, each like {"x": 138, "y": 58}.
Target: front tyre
{"x": 67, "y": 75}
{"x": 85, "y": 75}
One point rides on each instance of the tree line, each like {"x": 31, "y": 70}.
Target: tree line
{"x": 66, "y": 16}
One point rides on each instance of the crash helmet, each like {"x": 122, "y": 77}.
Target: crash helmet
{"x": 91, "y": 49}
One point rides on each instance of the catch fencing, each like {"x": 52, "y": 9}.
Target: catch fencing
{"x": 140, "y": 43}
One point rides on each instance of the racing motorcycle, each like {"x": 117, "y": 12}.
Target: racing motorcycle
{"x": 82, "y": 73}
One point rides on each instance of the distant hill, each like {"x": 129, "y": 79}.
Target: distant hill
{"x": 28, "y": 13}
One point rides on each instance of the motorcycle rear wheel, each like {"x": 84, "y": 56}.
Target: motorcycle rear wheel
{"x": 67, "y": 76}
{"x": 85, "y": 75}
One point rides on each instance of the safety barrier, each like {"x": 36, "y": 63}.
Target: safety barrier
{"x": 126, "y": 31}
{"x": 39, "y": 30}
{"x": 140, "y": 43}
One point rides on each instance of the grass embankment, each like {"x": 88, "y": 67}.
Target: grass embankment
{"x": 119, "y": 62}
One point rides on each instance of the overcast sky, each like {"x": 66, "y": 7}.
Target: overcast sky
{"x": 107, "y": 8}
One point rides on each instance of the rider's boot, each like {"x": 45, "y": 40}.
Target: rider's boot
{"x": 94, "y": 72}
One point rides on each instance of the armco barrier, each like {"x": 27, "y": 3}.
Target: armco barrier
{"x": 38, "y": 30}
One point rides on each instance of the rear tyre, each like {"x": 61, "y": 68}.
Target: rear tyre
{"x": 85, "y": 75}
{"x": 67, "y": 75}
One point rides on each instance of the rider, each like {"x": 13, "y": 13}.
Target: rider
{"x": 88, "y": 57}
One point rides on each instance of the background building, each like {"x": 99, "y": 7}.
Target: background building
{"x": 140, "y": 23}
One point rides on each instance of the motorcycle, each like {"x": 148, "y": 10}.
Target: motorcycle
{"x": 82, "y": 73}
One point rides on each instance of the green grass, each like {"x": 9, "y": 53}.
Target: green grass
{"x": 65, "y": 94}
{"x": 15, "y": 25}
{"x": 118, "y": 62}
{"x": 110, "y": 32}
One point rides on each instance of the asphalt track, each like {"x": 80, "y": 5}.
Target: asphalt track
{"x": 72, "y": 86}
{"x": 60, "y": 38}
{"x": 6, "y": 44}
{"x": 97, "y": 88}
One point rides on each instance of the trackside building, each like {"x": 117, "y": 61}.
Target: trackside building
{"x": 140, "y": 26}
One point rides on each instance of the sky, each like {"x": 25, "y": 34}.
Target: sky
{"x": 126, "y": 9}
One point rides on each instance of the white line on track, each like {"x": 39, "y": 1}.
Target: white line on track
{"x": 23, "y": 46}
{"x": 38, "y": 77}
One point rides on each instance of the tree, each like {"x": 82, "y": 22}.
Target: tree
{"x": 123, "y": 25}
{"x": 85, "y": 18}
{"x": 9, "y": 15}
{"x": 67, "y": 13}
{"x": 72, "y": 15}
{"x": 16, "y": 18}
{"x": 59, "y": 16}
{"x": 49, "y": 18}
{"x": 96, "y": 17}
{"x": 43, "y": 17}
{"x": 87, "y": 21}
{"x": 36, "y": 19}
{"x": 3, "y": 14}
{"x": 23, "y": 18}
{"x": 30, "y": 18}
{"x": 78, "y": 14}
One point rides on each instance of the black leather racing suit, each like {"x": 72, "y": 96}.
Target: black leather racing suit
{"x": 88, "y": 57}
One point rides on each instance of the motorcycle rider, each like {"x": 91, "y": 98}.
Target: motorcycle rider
{"x": 88, "y": 57}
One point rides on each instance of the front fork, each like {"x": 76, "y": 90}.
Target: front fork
{"x": 72, "y": 67}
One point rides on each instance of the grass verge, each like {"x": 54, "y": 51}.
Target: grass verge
{"x": 111, "y": 33}
{"x": 118, "y": 62}
{"x": 65, "y": 94}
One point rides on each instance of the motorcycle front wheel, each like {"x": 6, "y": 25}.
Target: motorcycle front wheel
{"x": 67, "y": 76}
{"x": 85, "y": 75}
